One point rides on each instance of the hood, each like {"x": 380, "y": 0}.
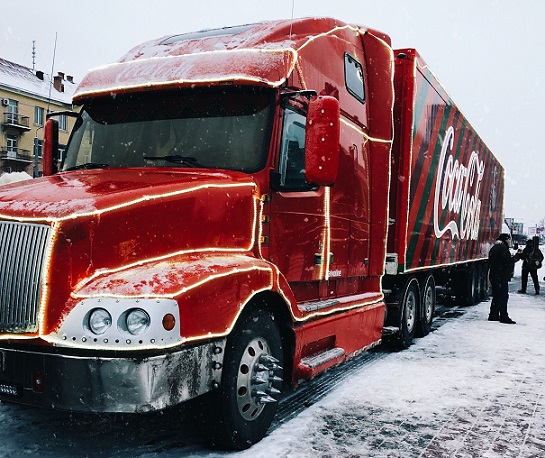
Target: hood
{"x": 104, "y": 221}
{"x": 83, "y": 193}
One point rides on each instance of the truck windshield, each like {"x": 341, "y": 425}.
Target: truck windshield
{"x": 226, "y": 129}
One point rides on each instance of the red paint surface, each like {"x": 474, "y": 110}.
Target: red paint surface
{"x": 424, "y": 112}
{"x": 195, "y": 234}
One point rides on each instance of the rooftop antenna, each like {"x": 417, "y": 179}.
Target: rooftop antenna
{"x": 292, "y": 8}
{"x": 51, "y": 76}
{"x": 33, "y": 55}
{"x": 291, "y": 27}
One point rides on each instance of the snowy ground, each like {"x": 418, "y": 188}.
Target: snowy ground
{"x": 7, "y": 178}
{"x": 472, "y": 388}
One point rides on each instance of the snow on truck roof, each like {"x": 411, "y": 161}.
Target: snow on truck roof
{"x": 260, "y": 54}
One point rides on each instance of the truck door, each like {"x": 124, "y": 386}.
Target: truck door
{"x": 299, "y": 226}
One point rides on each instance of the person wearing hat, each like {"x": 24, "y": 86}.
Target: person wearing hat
{"x": 531, "y": 261}
{"x": 500, "y": 267}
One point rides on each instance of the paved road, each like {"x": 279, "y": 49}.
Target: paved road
{"x": 471, "y": 388}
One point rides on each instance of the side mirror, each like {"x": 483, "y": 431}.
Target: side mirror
{"x": 51, "y": 145}
{"x": 322, "y": 141}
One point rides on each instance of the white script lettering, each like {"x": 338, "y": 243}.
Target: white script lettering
{"x": 457, "y": 187}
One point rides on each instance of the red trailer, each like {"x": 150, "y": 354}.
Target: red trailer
{"x": 446, "y": 201}
{"x": 220, "y": 225}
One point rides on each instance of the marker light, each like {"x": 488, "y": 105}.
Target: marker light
{"x": 137, "y": 321}
{"x": 169, "y": 322}
{"x": 99, "y": 321}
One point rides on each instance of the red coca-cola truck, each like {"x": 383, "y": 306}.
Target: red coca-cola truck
{"x": 238, "y": 210}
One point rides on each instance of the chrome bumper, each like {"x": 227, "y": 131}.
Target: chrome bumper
{"x": 109, "y": 384}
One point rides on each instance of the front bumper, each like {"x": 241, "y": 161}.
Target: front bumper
{"x": 109, "y": 384}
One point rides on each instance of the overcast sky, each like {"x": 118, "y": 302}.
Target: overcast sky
{"x": 487, "y": 53}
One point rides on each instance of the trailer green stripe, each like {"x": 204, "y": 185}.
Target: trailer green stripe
{"x": 430, "y": 181}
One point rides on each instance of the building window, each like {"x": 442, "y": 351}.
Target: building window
{"x": 39, "y": 116}
{"x": 62, "y": 123}
{"x": 13, "y": 111}
{"x": 12, "y": 146}
{"x": 38, "y": 147}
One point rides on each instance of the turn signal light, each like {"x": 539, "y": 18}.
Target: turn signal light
{"x": 169, "y": 322}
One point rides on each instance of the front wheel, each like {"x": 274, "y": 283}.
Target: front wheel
{"x": 242, "y": 409}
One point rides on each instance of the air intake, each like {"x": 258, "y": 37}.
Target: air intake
{"x": 22, "y": 252}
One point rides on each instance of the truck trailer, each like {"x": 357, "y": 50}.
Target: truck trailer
{"x": 446, "y": 202}
{"x": 238, "y": 210}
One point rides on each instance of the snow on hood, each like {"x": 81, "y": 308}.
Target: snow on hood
{"x": 72, "y": 194}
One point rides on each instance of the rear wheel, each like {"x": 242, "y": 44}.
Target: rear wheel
{"x": 484, "y": 281}
{"x": 242, "y": 409}
{"x": 479, "y": 294}
{"x": 408, "y": 308}
{"x": 467, "y": 286}
{"x": 427, "y": 307}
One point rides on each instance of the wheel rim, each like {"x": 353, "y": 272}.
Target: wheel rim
{"x": 255, "y": 378}
{"x": 410, "y": 311}
{"x": 473, "y": 286}
{"x": 428, "y": 303}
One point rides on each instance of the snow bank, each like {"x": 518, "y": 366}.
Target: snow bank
{"x": 7, "y": 178}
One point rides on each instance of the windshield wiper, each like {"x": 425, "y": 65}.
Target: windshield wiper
{"x": 87, "y": 165}
{"x": 177, "y": 159}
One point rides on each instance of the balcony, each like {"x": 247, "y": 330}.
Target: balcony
{"x": 16, "y": 121}
{"x": 16, "y": 155}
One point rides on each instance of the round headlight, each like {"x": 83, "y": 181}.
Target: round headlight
{"x": 99, "y": 321}
{"x": 137, "y": 321}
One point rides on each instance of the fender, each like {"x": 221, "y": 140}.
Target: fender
{"x": 211, "y": 290}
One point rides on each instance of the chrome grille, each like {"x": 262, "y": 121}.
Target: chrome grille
{"x": 22, "y": 252}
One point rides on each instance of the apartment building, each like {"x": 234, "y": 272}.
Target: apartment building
{"x": 26, "y": 96}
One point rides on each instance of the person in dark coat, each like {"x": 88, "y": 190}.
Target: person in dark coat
{"x": 501, "y": 264}
{"x": 532, "y": 257}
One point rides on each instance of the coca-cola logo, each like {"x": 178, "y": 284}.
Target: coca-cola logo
{"x": 159, "y": 70}
{"x": 458, "y": 188}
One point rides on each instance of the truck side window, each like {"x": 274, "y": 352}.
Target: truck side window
{"x": 292, "y": 154}
{"x": 353, "y": 75}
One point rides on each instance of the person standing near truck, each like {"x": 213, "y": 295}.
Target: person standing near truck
{"x": 501, "y": 263}
{"x": 532, "y": 258}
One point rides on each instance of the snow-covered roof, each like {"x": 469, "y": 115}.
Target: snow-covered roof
{"x": 263, "y": 54}
{"x": 22, "y": 79}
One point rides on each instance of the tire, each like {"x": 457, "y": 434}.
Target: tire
{"x": 466, "y": 286}
{"x": 484, "y": 281}
{"x": 427, "y": 307}
{"x": 481, "y": 282}
{"x": 474, "y": 285}
{"x": 408, "y": 311}
{"x": 241, "y": 410}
